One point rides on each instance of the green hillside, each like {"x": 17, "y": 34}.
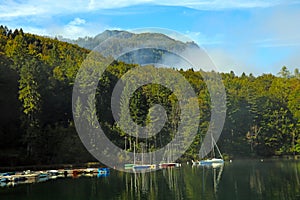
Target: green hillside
{"x": 36, "y": 123}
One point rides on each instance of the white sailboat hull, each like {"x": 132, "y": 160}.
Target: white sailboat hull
{"x": 211, "y": 161}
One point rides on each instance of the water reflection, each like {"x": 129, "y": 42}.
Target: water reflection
{"x": 245, "y": 180}
{"x": 238, "y": 180}
{"x": 149, "y": 185}
{"x": 174, "y": 183}
{"x": 261, "y": 180}
{"x": 210, "y": 178}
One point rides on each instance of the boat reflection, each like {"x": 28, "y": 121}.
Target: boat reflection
{"x": 13, "y": 179}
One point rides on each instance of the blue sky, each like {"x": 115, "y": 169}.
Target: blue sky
{"x": 244, "y": 36}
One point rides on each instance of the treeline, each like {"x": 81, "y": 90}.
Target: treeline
{"x": 36, "y": 123}
{"x": 36, "y": 77}
{"x": 263, "y": 116}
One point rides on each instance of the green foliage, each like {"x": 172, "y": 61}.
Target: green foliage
{"x": 36, "y": 79}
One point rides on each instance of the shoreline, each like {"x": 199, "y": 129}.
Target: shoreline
{"x": 49, "y": 167}
{"x": 98, "y": 164}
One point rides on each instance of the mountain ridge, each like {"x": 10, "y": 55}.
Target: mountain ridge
{"x": 130, "y": 37}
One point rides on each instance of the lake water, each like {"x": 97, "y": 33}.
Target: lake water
{"x": 267, "y": 180}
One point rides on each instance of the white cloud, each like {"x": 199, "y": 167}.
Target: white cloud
{"x": 203, "y": 39}
{"x": 72, "y": 32}
{"x": 196, "y": 4}
{"x": 292, "y": 61}
{"x": 109, "y": 4}
{"x": 275, "y": 42}
{"x": 283, "y": 25}
{"x": 12, "y": 8}
{"x": 239, "y": 61}
{"x": 76, "y": 28}
{"x": 221, "y": 4}
{"x": 34, "y": 30}
{"x": 77, "y": 21}
{"x": 224, "y": 61}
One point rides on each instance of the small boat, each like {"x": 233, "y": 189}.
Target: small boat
{"x": 53, "y": 173}
{"x": 166, "y": 165}
{"x": 42, "y": 177}
{"x": 213, "y": 160}
{"x": 195, "y": 162}
{"x": 103, "y": 170}
{"x": 154, "y": 166}
{"x": 90, "y": 170}
{"x": 217, "y": 165}
{"x": 141, "y": 167}
{"x": 128, "y": 166}
{"x": 7, "y": 174}
{"x": 76, "y": 173}
{"x": 19, "y": 179}
{"x": 4, "y": 180}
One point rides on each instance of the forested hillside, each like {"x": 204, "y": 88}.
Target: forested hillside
{"x": 36, "y": 80}
{"x": 36, "y": 123}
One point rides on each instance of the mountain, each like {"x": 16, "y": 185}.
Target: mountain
{"x": 130, "y": 38}
{"x": 120, "y": 44}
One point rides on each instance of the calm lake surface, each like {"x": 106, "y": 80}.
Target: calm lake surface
{"x": 237, "y": 180}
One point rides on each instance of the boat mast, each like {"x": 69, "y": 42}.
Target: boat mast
{"x": 212, "y": 144}
{"x": 217, "y": 148}
{"x": 142, "y": 145}
{"x": 134, "y": 153}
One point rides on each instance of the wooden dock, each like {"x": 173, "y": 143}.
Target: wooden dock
{"x": 14, "y": 178}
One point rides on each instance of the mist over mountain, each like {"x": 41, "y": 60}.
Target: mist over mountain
{"x": 135, "y": 47}
{"x": 131, "y": 38}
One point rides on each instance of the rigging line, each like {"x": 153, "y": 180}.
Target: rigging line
{"x": 217, "y": 147}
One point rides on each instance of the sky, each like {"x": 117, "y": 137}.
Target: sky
{"x": 251, "y": 36}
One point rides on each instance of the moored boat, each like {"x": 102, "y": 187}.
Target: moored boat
{"x": 213, "y": 160}
{"x": 166, "y": 165}
{"x": 4, "y": 180}
{"x": 103, "y": 170}
{"x": 129, "y": 166}
{"x": 141, "y": 167}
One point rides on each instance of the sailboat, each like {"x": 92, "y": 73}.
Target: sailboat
{"x": 142, "y": 167}
{"x": 169, "y": 163}
{"x": 214, "y": 162}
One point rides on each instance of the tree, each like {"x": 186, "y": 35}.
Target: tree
{"x": 284, "y": 72}
{"x": 296, "y": 73}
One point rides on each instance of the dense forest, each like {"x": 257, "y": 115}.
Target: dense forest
{"x": 36, "y": 121}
